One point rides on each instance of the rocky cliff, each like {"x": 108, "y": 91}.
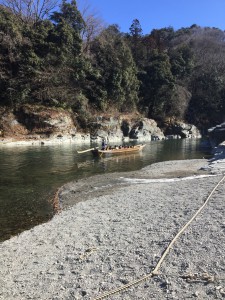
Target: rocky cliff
{"x": 40, "y": 123}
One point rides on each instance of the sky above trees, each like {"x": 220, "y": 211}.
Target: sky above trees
{"x": 155, "y": 14}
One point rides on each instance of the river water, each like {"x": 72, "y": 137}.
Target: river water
{"x": 30, "y": 175}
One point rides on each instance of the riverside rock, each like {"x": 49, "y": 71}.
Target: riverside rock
{"x": 43, "y": 125}
{"x": 39, "y": 123}
{"x": 183, "y": 130}
{"x": 126, "y": 127}
{"x": 217, "y": 134}
{"x": 146, "y": 129}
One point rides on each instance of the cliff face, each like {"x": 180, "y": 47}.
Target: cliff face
{"x": 43, "y": 123}
{"x": 35, "y": 122}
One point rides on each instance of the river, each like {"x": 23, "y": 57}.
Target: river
{"x": 30, "y": 175}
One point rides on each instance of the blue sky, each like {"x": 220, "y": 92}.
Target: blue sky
{"x": 155, "y": 14}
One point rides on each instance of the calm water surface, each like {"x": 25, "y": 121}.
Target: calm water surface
{"x": 31, "y": 175}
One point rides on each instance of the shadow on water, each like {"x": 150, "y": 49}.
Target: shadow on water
{"x": 31, "y": 175}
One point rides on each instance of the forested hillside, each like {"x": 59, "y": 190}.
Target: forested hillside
{"x": 64, "y": 59}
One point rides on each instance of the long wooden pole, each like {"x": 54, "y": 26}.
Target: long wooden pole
{"x": 87, "y": 150}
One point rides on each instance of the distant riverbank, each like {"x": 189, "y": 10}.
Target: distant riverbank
{"x": 119, "y": 234}
{"x": 81, "y": 139}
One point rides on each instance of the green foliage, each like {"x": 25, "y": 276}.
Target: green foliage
{"x": 135, "y": 42}
{"x": 10, "y": 56}
{"x": 162, "y": 38}
{"x": 167, "y": 73}
{"x": 66, "y": 34}
{"x": 157, "y": 85}
{"x": 117, "y": 82}
{"x": 207, "y": 106}
{"x": 182, "y": 63}
{"x": 135, "y": 29}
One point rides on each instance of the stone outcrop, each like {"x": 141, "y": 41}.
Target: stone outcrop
{"x": 40, "y": 123}
{"x": 10, "y": 126}
{"x": 125, "y": 127}
{"x": 36, "y": 122}
{"x": 146, "y": 129}
{"x": 217, "y": 134}
{"x": 182, "y": 130}
{"x": 45, "y": 121}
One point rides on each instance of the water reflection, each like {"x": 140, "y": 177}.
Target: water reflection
{"x": 31, "y": 175}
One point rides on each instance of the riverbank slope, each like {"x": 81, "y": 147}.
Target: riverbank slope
{"x": 119, "y": 234}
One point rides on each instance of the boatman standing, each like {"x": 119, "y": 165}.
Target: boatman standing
{"x": 104, "y": 144}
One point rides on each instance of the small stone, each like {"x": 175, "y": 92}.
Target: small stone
{"x": 83, "y": 293}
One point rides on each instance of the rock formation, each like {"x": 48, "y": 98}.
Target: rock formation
{"x": 40, "y": 123}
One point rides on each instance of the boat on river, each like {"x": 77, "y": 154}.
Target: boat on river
{"x": 117, "y": 150}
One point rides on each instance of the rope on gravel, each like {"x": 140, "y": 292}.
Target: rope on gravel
{"x": 156, "y": 269}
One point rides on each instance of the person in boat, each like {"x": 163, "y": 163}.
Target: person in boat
{"x": 104, "y": 145}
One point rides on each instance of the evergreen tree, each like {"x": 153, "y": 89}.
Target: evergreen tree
{"x": 135, "y": 39}
{"x": 11, "y": 45}
{"x": 117, "y": 83}
{"x": 67, "y": 33}
{"x": 58, "y": 83}
{"x": 157, "y": 83}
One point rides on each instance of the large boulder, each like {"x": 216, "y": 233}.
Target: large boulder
{"x": 182, "y": 130}
{"x": 108, "y": 128}
{"x": 116, "y": 129}
{"x": 146, "y": 130}
{"x": 217, "y": 134}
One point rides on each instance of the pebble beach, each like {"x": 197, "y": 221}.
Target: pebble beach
{"x": 112, "y": 230}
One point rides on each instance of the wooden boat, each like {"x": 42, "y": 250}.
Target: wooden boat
{"x": 115, "y": 151}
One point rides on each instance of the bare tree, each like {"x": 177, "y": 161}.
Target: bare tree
{"x": 93, "y": 23}
{"x": 30, "y": 10}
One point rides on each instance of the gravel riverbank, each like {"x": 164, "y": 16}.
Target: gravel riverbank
{"x": 116, "y": 233}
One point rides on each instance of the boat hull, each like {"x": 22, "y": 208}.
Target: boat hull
{"x": 134, "y": 149}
